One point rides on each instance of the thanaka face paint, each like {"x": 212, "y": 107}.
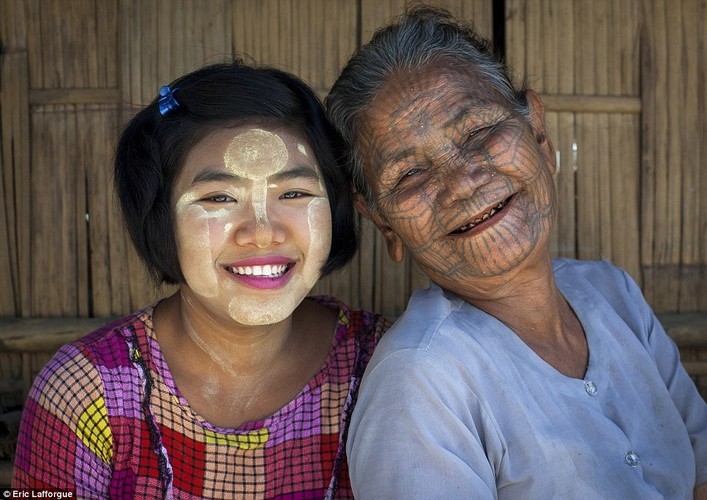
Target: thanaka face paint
{"x": 253, "y": 223}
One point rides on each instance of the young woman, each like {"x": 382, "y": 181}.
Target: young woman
{"x": 237, "y": 385}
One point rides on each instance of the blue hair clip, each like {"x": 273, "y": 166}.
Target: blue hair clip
{"x": 167, "y": 102}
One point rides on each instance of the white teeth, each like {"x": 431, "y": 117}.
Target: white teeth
{"x": 268, "y": 271}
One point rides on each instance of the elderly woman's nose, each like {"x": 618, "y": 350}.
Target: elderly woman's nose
{"x": 461, "y": 180}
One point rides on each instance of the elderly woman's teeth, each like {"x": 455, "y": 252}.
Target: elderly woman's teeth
{"x": 485, "y": 216}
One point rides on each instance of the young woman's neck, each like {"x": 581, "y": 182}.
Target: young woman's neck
{"x": 236, "y": 348}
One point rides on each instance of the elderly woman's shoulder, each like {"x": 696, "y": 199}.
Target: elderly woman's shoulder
{"x": 586, "y": 268}
{"x": 591, "y": 278}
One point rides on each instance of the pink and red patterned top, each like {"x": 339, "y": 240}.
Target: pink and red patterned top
{"x": 105, "y": 419}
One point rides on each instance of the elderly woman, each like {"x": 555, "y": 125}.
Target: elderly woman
{"x": 513, "y": 375}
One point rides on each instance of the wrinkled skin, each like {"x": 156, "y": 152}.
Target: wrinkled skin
{"x": 441, "y": 147}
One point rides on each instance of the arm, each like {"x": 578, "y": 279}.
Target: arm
{"x": 413, "y": 434}
{"x": 64, "y": 440}
{"x": 701, "y": 492}
{"x": 687, "y": 399}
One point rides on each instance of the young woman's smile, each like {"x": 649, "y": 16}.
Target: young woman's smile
{"x": 253, "y": 223}
{"x": 263, "y": 272}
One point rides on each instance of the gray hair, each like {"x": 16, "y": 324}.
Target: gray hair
{"x": 420, "y": 36}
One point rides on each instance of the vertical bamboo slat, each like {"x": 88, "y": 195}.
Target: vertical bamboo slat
{"x": 700, "y": 46}
{"x": 564, "y": 134}
{"x": 14, "y": 159}
{"x": 691, "y": 151}
{"x": 674, "y": 135}
{"x": 588, "y": 234}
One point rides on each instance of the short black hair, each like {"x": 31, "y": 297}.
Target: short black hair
{"x": 151, "y": 150}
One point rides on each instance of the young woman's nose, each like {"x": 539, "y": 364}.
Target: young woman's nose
{"x": 259, "y": 227}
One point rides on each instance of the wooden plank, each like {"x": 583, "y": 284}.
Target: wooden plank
{"x": 593, "y": 149}
{"x": 46, "y": 335}
{"x": 671, "y": 224}
{"x": 686, "y": 329}
{"x": 673, "y": 138}
{"x": 588, "y": 235}
{"x": 16, "y": 145}
{"x": 71, "y": 59}
{"x": 53, "y": 227}
{"x": 651, "y": 81}
{"x": 592, "y": 103}
{"x": 692, "y": 138}
{"x": 701, "y": 47}
{"x": 96, "y": 139}
{"x": 42, "y": 97}
{"x": 8, "y": 242}
{"x": 566, "y": 222}
{"x": 107, "y": 66}
{"x": 564, "y": 134}
{"x": 15, "y": 150}
{"x": 515, "y": 16}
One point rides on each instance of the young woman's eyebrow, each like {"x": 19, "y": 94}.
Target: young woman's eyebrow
{"x": 297, "y": 172}
{"x": 215, "y": 176}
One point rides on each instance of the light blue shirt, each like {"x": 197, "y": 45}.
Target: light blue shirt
{"x": 455, "y": 405}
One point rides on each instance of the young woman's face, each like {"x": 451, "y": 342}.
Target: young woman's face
{"x": 252, "y": 223}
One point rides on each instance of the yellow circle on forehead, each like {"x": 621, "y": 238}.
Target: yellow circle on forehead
{"x": 256, "y": 154}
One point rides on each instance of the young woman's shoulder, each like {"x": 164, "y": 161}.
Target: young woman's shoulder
{"x": 357, "y": 322}
{"x": 81, "y": 370}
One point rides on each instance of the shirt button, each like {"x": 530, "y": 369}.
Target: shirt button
{"x": 590, "y": 387}
{"x": 632, "y": 459}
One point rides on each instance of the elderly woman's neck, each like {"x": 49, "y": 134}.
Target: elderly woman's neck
{"x": 535, "y": 309}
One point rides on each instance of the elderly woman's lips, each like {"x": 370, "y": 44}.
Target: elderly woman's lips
{"x": 484, "y": 216}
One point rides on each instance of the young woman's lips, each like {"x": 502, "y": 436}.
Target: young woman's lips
{"x": 483, "y": 220}
{"x": 263, "y": 273}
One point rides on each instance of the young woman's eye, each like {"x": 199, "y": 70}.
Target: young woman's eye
{"x": 220, "y": 198}
{"x": 291, "y": 195}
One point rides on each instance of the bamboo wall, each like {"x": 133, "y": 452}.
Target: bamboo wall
{"x": 623, "y": 82}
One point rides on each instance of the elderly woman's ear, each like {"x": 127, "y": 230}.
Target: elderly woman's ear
{"x": 396, "y": 249}
{"x": 537, "y": 123}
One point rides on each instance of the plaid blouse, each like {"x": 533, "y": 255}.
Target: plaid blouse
{"x": 105, "y": 419}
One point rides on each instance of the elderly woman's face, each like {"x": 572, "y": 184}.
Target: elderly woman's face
{"x": 460, "y": 180}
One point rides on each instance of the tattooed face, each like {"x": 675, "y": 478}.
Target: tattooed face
{"x": 461, "y": 181}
